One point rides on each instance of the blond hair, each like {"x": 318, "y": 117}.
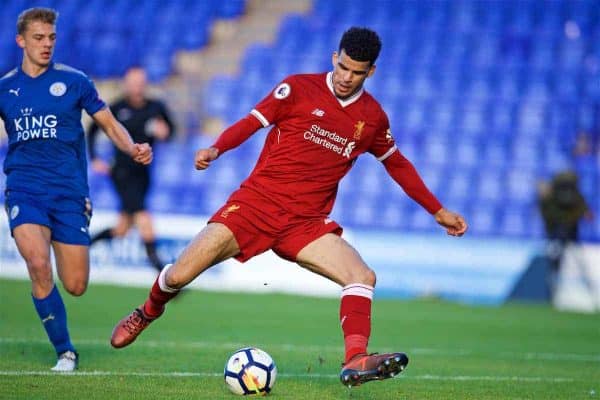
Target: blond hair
{"x": 46, "y": 15}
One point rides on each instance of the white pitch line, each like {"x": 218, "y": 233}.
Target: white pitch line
{"x": 111, "y": 373}
{"x": 328, "y": 348}
{"x": 492, "y": 378}
{"x": 290, "y": 375}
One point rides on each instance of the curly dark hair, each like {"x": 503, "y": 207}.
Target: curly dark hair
{"x": 361, "y": 44}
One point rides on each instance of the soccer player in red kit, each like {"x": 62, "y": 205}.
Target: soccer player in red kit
{"x": 321, "y": 124}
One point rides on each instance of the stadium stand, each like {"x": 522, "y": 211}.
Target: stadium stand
{"x": 485, "y": 97}
{"x": 104, "y": 38}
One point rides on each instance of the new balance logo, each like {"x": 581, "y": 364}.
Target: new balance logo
{"x": 14, "y": 91}
{"x": 348, "y": 149}
{"x": 318, "y": 112}
{"x": 48, "y": 318}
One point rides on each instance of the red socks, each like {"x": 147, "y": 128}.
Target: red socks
{"x": 355, "y": 318}
{"x": 160, "y": 294}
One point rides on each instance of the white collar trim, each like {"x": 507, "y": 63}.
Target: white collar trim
{"x": 345, "y": 102}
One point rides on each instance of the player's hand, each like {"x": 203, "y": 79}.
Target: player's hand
{"x": 100, "y": 166}
{"x": 142, "y": 153}
{"x": 204, "y": 157}
{"x": 454, "y": 223}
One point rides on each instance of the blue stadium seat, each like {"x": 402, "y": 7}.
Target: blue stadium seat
{"x": 393, "y": 216}
{"x": 195, "y": 34}
{"x": 525, "y": 152}
{"x": 409, "y": 147}
{"x": 472, "y": 121}
{"x": 105, "y": 198}
{"x": 442, "y": 115}
{"x": 483, "y": 219}
{"x": 501, "y": 116}
{"x": 458, "y": 186}
{"x": 567, "y": 87}
{"x": 422, "y": 221}
{"x": 163, "y": 199}
{"x": 479, "y": 88}
{"x": 230, "y": 8}
{"x": 521, "y": 185}
{"x": 157, "y": 65}
{"x": 217, "y": 96}
{"x": 514, "y": 222}
{"x": 490, "y": 185}
{"x": 414, "y": 115}
{"x": 531, "y": 117}
{"x": 435, "y": 151}
{"x": 467, "y": 153}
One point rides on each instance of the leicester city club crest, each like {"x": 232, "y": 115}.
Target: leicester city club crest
{"x": 58, "y": 89}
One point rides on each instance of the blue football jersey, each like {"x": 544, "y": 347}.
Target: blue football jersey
{"x": 42, "y": 116}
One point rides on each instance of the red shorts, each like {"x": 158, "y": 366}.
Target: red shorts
{"x": 259, "y": 224}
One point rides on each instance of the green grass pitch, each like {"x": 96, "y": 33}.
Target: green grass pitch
{"x": 456, "y": 351}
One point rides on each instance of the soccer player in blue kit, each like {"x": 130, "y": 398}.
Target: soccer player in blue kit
{"x": 47, "y": 194}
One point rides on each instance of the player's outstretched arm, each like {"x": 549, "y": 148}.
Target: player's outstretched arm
{"x": 454, "y": 223}
{"x": 139, "y": 152}
{"x": 405, "y": 174}
{"x": 231, "y": 137}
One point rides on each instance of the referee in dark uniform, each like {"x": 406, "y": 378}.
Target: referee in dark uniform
{"x": 146, "y": 120}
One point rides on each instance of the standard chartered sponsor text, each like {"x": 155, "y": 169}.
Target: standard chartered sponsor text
{"x": 323, "y": 137}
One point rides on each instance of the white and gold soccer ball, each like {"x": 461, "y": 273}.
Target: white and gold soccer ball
{"x": 250, "y": 371}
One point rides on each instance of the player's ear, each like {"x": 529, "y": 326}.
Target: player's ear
{"x": 334, "y": 59}
{"x": 371, "y": 71}
{"x": 20, "y": 41}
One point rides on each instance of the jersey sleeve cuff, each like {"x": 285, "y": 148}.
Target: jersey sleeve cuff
{"x": 264, "y": 122}
{"x": 388, "y": 153}
{"x": 94, "y": 110}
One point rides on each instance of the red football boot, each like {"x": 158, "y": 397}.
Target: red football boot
{"x": 129, "y": 328}
{"x": 369, "y": 367}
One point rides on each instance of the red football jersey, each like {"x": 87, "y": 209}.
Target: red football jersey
{"x": 315, "y": 140}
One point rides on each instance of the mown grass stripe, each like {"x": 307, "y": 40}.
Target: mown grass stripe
{"x": 289, "y": 375}
{"x": 325, "y": 348}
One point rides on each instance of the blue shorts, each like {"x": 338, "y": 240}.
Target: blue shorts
{"x": 67, "y": 218}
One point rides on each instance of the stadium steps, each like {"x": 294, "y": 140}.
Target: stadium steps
{"x": 229, "y": 40}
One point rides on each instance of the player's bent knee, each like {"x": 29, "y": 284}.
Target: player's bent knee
{"x": 175, "y": 280}
{"x": 365, "y": 276}
{"x": 75, "y": 288}
{"x": 369, "y": 277}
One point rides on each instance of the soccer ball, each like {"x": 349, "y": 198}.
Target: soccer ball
{"x": 250, "y": 371}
